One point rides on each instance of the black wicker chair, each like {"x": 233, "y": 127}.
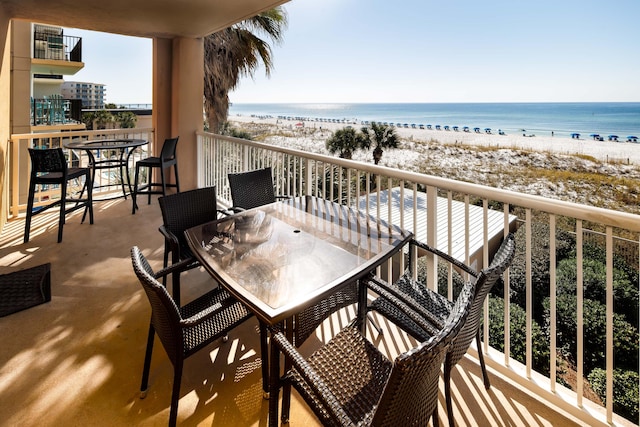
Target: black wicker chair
{"x": 435, "y": 308}
{"x": 185, "y": 330}
{"x": 348, "y": 382}
{"x": 181, "y": 211}
{"x": 166, "y": 159}
{"x": 49, "y": 167}
{"x": 252, "y": 189}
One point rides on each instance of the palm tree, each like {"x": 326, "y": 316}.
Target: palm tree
{"x": 235, "y": 52}
{"x": 381, "y": 136}
{"x": 344, "y": 142}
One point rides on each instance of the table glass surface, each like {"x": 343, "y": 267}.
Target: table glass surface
{"x": 283, "y": 256}
{"x": 105, "y": 144}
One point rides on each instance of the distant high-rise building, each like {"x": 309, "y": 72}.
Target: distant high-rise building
{"x": 91, "y": 94}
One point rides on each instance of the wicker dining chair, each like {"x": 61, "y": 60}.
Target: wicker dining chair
{"x": 349, "y": 382}
{"x": 435, "y": 308}
{"x": 166, "y": 159}
{"x": 49, "y": 168}
{"x": 252, "y": 189}
{"x": 183, "y": 330}
{"x": 181, "y": 211}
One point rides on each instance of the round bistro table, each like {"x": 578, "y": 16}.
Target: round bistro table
{"x": 120, "y": 161}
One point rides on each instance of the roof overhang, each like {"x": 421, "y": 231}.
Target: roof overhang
{"x": 142, "y": 18}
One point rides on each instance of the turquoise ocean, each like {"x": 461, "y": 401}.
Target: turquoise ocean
{"x": 563, "y": 119}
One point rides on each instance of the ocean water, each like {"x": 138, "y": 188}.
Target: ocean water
{"x": 563, "y": 119}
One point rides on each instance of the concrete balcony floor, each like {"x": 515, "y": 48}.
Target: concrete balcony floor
{"x": 77, "y": 360}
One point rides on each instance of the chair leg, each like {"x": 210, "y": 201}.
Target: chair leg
{"x": 447, "y": 391}
{"x": 162, "y": 181}
{"x": 144, "y": 385}
{"x": 175, "y": 280}
{"x": 485, "y": 374}
{"x": 88, "y": 205}
{"x": 375, "y": 326}
{"x": 175, "y": 277}
{"x": 63, "y": 208}
{"x": 166, "y": 263}
{"x": 175, "y": 169}
{"x": 135, "y": 191}
{"x": 264, "y": 355}
{"x": 175, "y": 394}
{"x": 27, "y": 224}
{"x": 435, "y": 418}
{"x": 89, "y": 183}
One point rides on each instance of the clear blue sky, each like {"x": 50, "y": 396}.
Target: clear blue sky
{"x": 420, "y": 51}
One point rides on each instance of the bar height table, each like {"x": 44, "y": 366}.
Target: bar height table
{"x": 281, "y": 258}
{"x": 122, "y": 146}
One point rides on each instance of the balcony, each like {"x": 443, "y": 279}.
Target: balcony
{"x": 87, "y": 362}
{"x": 50, "y": 43}
{"x": 55, "y": 110}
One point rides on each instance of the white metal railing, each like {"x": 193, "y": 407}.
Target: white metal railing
{"x": 107, "y": 183}
{"x": 453, "y": 215}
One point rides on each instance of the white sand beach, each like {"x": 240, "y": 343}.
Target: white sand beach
{"x": 606, "y": 151}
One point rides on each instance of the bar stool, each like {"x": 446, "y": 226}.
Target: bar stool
{"x": 49, "y": 167}
{"x": 166, "y": 159}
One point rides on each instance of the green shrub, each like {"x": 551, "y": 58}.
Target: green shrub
{"x": 625, "y": 292}
{"x": 517, "y": 330}
{"x": 540, "y": 260}
{"x": 625, "y": 336}
{"x": 625, "y": 391}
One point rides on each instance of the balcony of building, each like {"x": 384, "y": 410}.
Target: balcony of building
{"x": 79, "y": 358}
{"x": 50, "y": 43}
{"x": 54, "y": 110}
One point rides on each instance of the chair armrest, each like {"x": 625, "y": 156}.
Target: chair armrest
{"x": 283, "y": 197}
{"x": 446, "y": 257}
{"x": 314, "y": 381}
{"x": 178, "y": 266}
{"x": 202, "y": 316}
{"x": 225, "y": 212}
{"x": 170, "y": 238}
{"x": 423, "y": 318}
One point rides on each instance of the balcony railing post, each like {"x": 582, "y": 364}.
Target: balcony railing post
{"x": 432, "y": 237}
{"x": 308, "y": 178}
{"x": 609, "y": 323}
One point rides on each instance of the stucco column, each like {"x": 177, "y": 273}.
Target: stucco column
{"x": 5, "y": 109}
{"x": 162, "y": 60}
{"x": 178, "y": 89}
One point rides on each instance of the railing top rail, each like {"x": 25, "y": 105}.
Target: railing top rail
{"x": 603, "y": 216}
{"x": 70, "y": 134}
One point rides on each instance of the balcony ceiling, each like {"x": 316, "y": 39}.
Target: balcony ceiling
{"x": 143, "y": 18}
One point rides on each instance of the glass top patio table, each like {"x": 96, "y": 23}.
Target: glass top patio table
{"x": 121, "y": 145}
{"x": 281, "y": 258}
